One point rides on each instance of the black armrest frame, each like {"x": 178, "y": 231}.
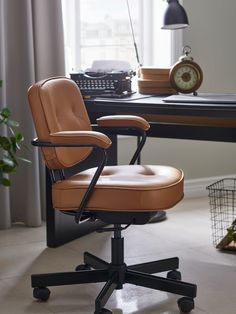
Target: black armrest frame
{"x": 78, "y": 214}
{"x": 123, "y": 131}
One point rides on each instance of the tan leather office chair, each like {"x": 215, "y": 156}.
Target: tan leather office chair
{"x": 117, "y": 195}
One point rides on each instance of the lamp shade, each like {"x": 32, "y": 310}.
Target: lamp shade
{"x": 175, "y": 16}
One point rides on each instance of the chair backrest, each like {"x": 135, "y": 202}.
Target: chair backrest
{"x": 57, "y": 105}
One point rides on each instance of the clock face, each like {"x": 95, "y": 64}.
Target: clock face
{"x": 186, "y": 77}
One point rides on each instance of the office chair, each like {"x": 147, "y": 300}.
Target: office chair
{"x": 117, "y": 195}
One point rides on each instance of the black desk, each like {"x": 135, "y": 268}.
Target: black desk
{"x": 212, "y": 121}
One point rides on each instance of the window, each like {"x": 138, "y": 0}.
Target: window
{"x": 101, "y": 30}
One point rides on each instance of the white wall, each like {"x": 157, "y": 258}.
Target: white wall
{"x": 212, "y": 36}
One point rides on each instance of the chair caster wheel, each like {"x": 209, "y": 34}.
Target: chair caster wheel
{"x": 186, "y": 304}
{"x": 41, "y": 294}
{"x": 174, "y": 274}
{"x": 82, "y": 267}
{"x": 103, "y": 311}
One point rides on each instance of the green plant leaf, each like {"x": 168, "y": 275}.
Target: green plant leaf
{"x": 5, "y": 182}
{"x": 14, "y": 144}
{"x": 5, "y": 113}
{"x": 7, "y": 165}
{"x": 5, "y": 143}
{"x": 232, "y": 233}
{"x": 10, "y": 145}
{"x": 8, "y": 169}
{"x": 12, "y": 123}
{"x": 8, "y": 162}
{"x": 19, "y": 137}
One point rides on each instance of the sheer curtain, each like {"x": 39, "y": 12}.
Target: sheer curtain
{"x": 31, "y": 48}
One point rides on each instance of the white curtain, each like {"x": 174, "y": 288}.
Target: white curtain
{"x": 31, "y": 48}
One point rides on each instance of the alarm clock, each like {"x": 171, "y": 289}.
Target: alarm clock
{"x": 186, "y": 75}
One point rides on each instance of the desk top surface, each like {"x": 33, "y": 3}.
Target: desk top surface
{"x": 138, "y": 103}
{"x": 201, "y": 99}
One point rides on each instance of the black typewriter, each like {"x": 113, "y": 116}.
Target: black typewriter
{"x": 115, "y": 84}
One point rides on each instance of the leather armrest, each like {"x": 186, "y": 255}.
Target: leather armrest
{"x": 123, "y": 121}
{"x": 81, "y": 138}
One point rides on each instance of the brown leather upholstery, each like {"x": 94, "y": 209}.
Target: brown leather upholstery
{"x": 81, "y": 138}
{"x": 123, "y": 188}
{"x": 123, "y": 121}
{"x": 47, "y": 98}
{"x": 60, "y": 117}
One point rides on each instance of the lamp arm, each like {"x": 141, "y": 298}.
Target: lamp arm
{"x": 132, "y": 31}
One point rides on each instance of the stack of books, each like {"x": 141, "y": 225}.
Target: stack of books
{"x": 154, "y": 81}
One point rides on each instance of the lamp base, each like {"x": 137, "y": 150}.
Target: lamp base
{"x": 160, "y": 216}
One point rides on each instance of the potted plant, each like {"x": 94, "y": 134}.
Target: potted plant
{"x": 10, "y": 144}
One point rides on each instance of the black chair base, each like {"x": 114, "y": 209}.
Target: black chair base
{"x": 116, "y": 274}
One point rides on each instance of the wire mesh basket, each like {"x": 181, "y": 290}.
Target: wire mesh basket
{"x": 222, "y": 198}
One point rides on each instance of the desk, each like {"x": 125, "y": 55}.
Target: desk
{"x": 210, "y": 122}
{"x": 213, "y": 122}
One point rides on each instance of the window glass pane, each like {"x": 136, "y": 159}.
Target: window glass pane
{"x": 106, "y": 31}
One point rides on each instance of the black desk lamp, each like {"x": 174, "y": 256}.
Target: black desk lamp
{"x": 175, "y": 16}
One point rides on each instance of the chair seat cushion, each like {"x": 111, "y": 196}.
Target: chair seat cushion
{"x": 122, "y": 188}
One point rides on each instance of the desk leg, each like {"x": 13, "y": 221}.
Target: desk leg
{"x": 62, "y": 228}
{"x": 160, "y": 215}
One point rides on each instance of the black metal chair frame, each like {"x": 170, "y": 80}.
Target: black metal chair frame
{"x": 116, "y": 273}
